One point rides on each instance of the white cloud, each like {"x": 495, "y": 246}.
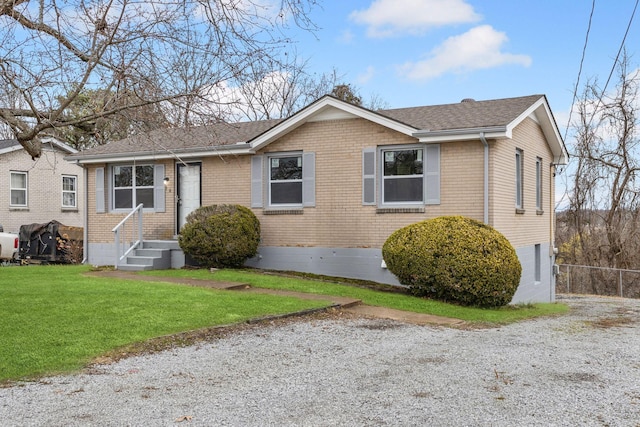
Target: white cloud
{"x": 364, "y": 78}
{"x": 386, "y": 18}
{"x": 346, "y": 37}
{"x": 478, "y": 48}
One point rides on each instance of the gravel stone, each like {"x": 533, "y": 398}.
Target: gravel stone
{"x": 578, "y": 369}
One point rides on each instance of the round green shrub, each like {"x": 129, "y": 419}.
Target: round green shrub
{"x": 454, "y": 259}
{"x": 220, "y": 235}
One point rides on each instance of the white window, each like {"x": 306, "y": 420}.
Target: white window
{"x": 133, "y": 185}
{"x": 402, "y": 177}
{"x": 539, "y": 183}
{"x": 285, "y": 180}
{"x": 519, "y": 180}
{"x": 18, "y": 189}
{"x": 69, "y": 191}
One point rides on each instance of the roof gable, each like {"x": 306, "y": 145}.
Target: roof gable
{"x": 9, "y": 145}
{"x": 464, "y": 121}
{"x": 327, "y": 108}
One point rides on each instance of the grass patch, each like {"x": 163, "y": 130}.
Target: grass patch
{"x": 55, "y": 319}
{"x": 397, "y": 300}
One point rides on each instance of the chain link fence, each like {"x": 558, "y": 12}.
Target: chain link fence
{"x": 604, "y": 281}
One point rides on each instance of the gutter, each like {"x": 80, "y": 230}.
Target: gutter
{"x": 485, "y": 178}
{"x": 232, "y": 149}
{"x": 495, "y": 132}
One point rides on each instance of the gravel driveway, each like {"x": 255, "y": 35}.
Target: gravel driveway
{"x": 582, "y": 369}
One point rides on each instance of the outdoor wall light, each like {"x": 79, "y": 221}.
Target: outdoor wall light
{"x": 166, "y": 180}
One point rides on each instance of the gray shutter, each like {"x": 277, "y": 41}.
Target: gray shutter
{"x": 100, "y": 190}
{"x": 432, "y": 174}
{"x": 369, "y": 176}
{"x": 256, "y": 181}
{"x": 309, "y": 179}
{"x": 158, "y": 188}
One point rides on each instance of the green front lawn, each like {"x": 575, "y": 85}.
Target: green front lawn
{"x": 369, "y": 296}
{"x": 55, "y": 319}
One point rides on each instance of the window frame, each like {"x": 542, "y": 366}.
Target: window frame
{"x": 519, "y": 178}
{"x": 25, "y": 189}
{"x": 133, "y": 187}
{"x": 383, "y": 178}
{"x": 74, "y": 192}
{"x": 269, "y": 158}
{"x": 539, "y": 183}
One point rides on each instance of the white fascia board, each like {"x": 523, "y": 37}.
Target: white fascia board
{"x": 177, "y": 154}
{"x": 61, "y": 145}
{"x": 471, "y": 134}
{"x": 320, "y": 111}
{"x": 47, "y": 140}
{"x": 11, "y": 149}
{"x": 541, "y": 111}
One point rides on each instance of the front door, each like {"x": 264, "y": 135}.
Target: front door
{"x": 188, "y": 191}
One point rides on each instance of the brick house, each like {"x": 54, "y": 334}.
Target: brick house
{"x": 332, "y": 182}
{"x": 40, "y": 190}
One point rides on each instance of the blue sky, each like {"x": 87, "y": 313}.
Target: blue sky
{"x": 423, "y": 52}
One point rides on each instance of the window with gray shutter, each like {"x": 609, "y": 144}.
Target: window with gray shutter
{"x": 100, "y": 190}
{"x": 158, "y": 188}
{"x": 369, "y": 176}
{"x": 309, "y": 179}
{"x": 432, "y": 175}
{"x": 256, "y": 181}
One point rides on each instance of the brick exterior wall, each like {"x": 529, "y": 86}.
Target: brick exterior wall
{"x": 339, "y": 219}
{"x": 44, "y": 189}
{"x": 158, "y": 226}
{"x": 531, "y": 227}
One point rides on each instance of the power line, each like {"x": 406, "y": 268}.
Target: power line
{"x": 584, "y": 50}
{"x": 615, "y": 62}
{"x": 575, "y": 96}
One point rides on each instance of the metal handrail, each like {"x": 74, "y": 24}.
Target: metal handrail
{"x": 122, "y": 249}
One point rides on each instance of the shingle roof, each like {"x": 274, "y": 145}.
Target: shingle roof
{"x": 467, "y": 114}
{"x": 180, "y": 139}
{"x": 464, "y": 115}
{"x": 7, "y": 143}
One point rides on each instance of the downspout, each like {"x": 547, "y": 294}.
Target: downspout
{"x": 85, "y": 216}
{"x": 485, "y": 178}
{"x": 552, "y": 231}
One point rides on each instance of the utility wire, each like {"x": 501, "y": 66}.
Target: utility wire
{"x": 584, "y": 50}
{"x": 575, "y": 96}
{"x": 615, "y": 63}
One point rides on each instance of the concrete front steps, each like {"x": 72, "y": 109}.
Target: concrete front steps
{"x": 154, "y": 255}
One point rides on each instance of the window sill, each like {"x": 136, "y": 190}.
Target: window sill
{"x": 18, "y": 208}
{"x": 69, "y": 210}
{"x": 399, "y": 210}
{"x": 283, "y": 212}
{"x": 520, "y": 211}
{"x": 539, "y": 212}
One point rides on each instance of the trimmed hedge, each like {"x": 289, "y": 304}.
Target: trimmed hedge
{"x": 454, "y": 259}
{"x": 220, "y": 235}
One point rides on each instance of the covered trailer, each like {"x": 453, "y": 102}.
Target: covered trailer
{"x": 51, "y": 242}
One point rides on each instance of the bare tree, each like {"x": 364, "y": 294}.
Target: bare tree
{"x": 170, "y": 54}
{"x": 600, "y": 228}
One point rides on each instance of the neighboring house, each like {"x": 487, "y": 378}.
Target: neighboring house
{"x": 332, "y": 182}
{"x": 40, "y": 190}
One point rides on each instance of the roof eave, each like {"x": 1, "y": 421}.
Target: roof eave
{"x": 188, "y": 153}
{"x": 541, "y": 110}
{"x": 450, "y": 135}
